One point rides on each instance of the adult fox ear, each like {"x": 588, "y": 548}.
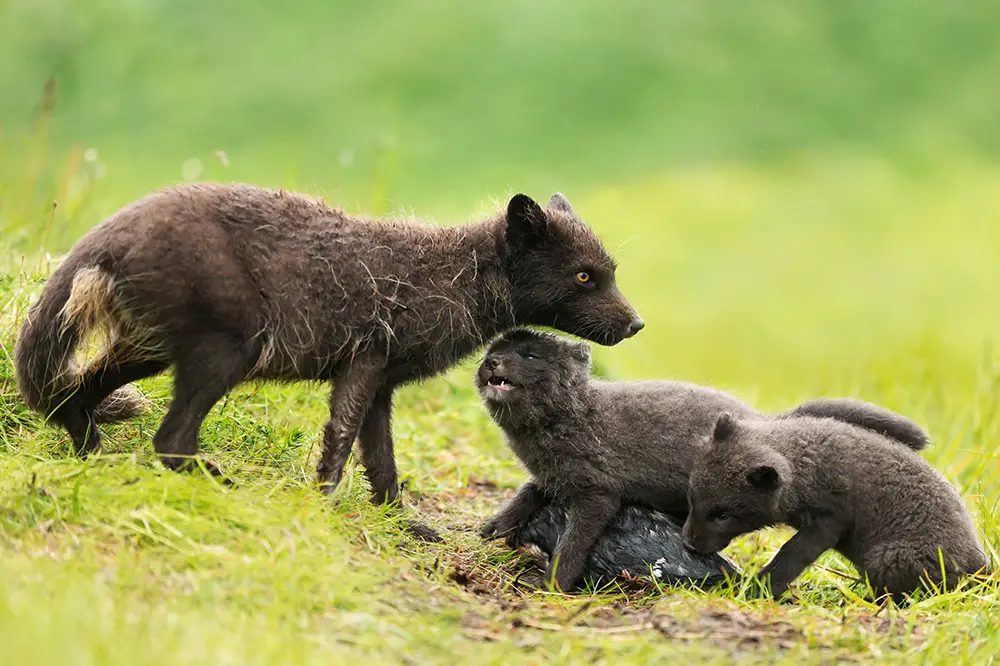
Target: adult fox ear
{"x": 764, "y": 477}
{"x": 526, "y": 221}
{"x": 559, "y": 202}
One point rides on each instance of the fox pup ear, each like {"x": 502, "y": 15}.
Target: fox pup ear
{"x": 724, "y": 428}
{"x": 581, "y": 352}
{"x": 559, "y": 202}
{"x": 764, "y": 477}
{"x": 526, "y": 221}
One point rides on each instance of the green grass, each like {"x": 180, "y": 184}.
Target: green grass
{"x": 837, "y": 277}
{"x": 803, "y": 201}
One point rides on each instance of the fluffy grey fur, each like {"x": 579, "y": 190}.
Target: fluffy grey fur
{"x": 595, "y": 445}
{"x": 876, "y": 502}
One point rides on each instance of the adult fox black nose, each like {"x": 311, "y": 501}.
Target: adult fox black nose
{"x": 637, "y": 325}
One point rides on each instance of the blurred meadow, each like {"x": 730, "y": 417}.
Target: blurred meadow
{"x": 804, "y": 199}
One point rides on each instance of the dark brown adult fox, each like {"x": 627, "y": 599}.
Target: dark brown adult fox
{"x": 228, "y": 283}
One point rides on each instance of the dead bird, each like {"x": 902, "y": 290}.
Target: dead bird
{"x": 639, "y": 542}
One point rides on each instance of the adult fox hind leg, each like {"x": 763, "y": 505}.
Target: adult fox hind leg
{"x": 206, "y": 368}
{"x": 81, "y": 426}
{"x": 354, "y": 392}
{"x": 379, "y": 460}
{"x": 122, "y": 364}
{"x": 377, "y": 455}
{"x": 107, "y": 373}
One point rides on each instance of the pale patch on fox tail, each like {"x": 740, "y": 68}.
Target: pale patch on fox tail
{"x": 73, "y": 305}
{"x": 89, "y": 305}
{"x": 123, "y": 404}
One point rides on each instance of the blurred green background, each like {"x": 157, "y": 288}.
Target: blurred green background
{"x": 434, "y": 105}
{"x": 803, "y": 196}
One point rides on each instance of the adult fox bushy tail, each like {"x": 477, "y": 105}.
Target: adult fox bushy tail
{"x": 78, "y": 298}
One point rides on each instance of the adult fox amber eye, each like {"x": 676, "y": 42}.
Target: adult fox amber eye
{"x": 583, "y": 277}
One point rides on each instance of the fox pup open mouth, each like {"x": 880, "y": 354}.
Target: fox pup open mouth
{"x": 494, "y": 378}
{"x": 496, "y": 386}
{"x": 500, "y": 383}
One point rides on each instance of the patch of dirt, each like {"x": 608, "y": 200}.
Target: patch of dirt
{"x": 463, "y": 509}
{"x": 730, "y": 628}
{"x": 727, "y": 629}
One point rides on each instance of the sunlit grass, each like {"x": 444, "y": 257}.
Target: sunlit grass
{"x": 827, "y": 276}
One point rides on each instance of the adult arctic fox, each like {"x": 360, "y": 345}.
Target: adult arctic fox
{"x": 234, "y": 282}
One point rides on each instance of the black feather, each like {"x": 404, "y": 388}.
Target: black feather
{"x": 643, "y": 542}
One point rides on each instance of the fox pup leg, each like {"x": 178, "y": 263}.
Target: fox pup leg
{"x": 353, "y": 394}
{"x": 528, "y": 500}
{"x": 896, "y": 568}
{"x": 379, "y": 460}
{"x": 588, "y": 515}
{"x": 204, "y": 372}
{"x": 797, "y": 554}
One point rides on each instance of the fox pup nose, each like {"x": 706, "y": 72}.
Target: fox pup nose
{"x": 637, "y": 325}
{"x": 492, "y": 362}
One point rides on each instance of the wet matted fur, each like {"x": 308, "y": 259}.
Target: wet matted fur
{"x": 227, "y": 283}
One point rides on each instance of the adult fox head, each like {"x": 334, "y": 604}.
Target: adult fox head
{"x": 561, "y": 274}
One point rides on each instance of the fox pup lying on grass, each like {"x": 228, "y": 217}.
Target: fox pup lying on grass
{"x": 594, "y": 445}
{"x": 870, "y": 498}
{"x": 228, "y": 283}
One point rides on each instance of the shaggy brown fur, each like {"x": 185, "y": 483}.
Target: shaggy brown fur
{"x": 233, "y": 282}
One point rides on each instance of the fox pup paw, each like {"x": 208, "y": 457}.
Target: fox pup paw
{"x": 496, "y": 527}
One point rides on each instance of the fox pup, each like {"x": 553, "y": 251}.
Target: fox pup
{"x": 872, "y": 499}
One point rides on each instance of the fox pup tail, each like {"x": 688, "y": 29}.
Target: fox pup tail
{"x": 866, "y": 415}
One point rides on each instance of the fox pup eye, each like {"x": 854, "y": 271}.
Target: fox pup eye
{"x": 718, "y": 514}
{"x": 530, "y": 356}
{"x": 583, "y": 277}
